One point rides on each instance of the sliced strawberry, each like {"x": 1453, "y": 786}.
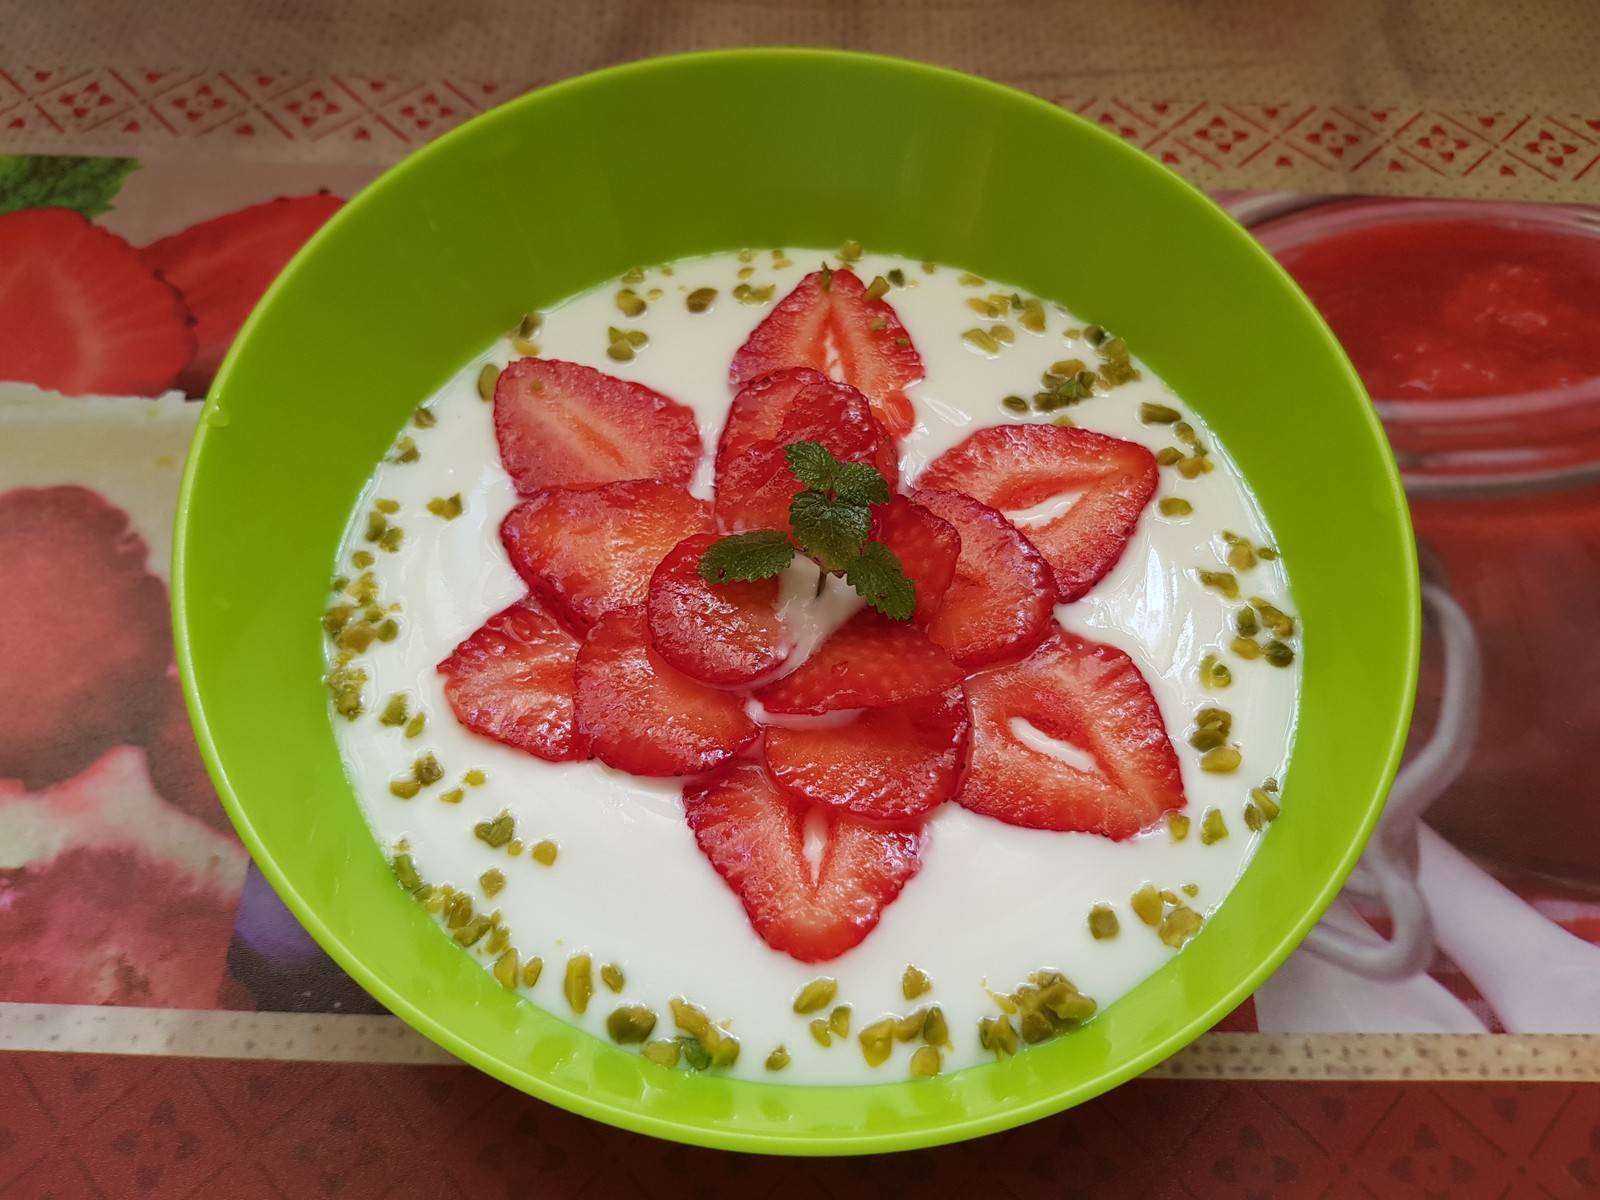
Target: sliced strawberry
{"x": 85, "y": 634}
{"x": 788, "y": 406}
{"x": 585, "y": 551}
{"x": 888, "y": 764}
{"x": 512, "y": 680}
{"x": 223, "y": 267}
{"x": 1019, "y": 466}
{"x": 869, "y": 662}
{"x": 999, "y": 604}
{"x": 561, "y": 424}
{"x": 836, "y": 320}
{"x": 754, "y": 837}
{"x": 726, "y": 633}
{"x": 755, "y": 485}
{"x": 81, "y": 313}
{"x": 643, "y": 716}
{"x": 1092, "y": 697}
{"x": 926, "y": 545}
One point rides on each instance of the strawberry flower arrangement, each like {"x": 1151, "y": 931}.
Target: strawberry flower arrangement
{"x": 654, "y": 635}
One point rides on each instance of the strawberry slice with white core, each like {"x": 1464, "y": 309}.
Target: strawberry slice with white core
{"x": 870, "y": 661}
{"x": 725, "y": 633}
{"x": 561, "y": 424}
{"x": 998, "y": 605}
{"x": 512, "y": 680}
{"x": 829, "y": 321}
{"x": 926, "y": 545}
{"x": 888, "y": 764}
{"x": 755, "y": 485}
{"x": 1014, "y": 467}
{"x": 586, "y": 551}
{"x": 1091, "y": 697}
{"x": 753, "y": 835}
{"x": 642, "y": 715}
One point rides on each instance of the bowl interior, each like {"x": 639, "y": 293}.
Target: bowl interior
{"x": 649, "y": 162}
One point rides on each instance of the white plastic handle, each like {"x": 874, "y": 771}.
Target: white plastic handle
{"x": 1389, "y": 863}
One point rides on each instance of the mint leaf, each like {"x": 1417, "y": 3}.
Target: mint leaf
{"x": 881, "y": 581}
{"x": 831, "y": 531}
{"x": 860, "y": 483}
{"x": 743, "y": 557}
{"x": 61, "y": 181}
{"x": 811, "y": 464}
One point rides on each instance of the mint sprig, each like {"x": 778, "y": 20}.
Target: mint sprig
{"x": 829, "y": 520}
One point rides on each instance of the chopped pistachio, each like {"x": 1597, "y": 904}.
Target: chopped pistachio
{"x": 544, "y": 852}
{"x": 694, "y": 1054}
{"x": 423, "y": 418}
{"x": 1095, "y": 335}
{"x": 663, "y": 1052}
{"x": 722, "y": 1048}
{"x": 377, "y": 523}
{"x": 1169, "y": 456}
{"x": 415, "y": 725}
{"x": 619, "y": 352}
{"x": 514, "y": 847}
{"x": 505, "y": 970}
{"x": 525, "y": 347}
{"x": 1158, "y": 414}
{"x": 1222, "y": 760}
{"x": 496, "y": 833}
{"x": 405, "y": 789}
{"x": 1253, "y": 820}
{"x": 1194, "y": 466}
{"x": 1218, "y": 718}
{"x": 1177, "y": 826}
{"x": 998, "y": 1035}
{"x": 910, "y": 1026}
{"x": 426, "y": 770}
{"x": 578, "y": 986}
{"x": 816, "y": 995}
{"x": 1277, "y": 653}
{"x": 1245, "y": 622}
{"x": 388, "y": 629}
{"x": 982, "y": 340}
{"x": 1241, "y": 557}
{"x": 356, "y": 638}
{"x": 394, "y": 712}
{"x": 363, "y": 558}
{"x": 1174, "y": 506}
{"x": 778, "y": 1059}
{"x": 1146, "y": 904}
{"x": 747, "y": 256}
{"x": 630, "y": 303}
{"x": 391, "y": 539}
{"x": 474, "y": 778}
{"x": 611, "y": 975}
{"x": 983, "y": 307}
{"x": 389, "y": 507}
{"x": 700, "y": 300}
{"x": 472, "y": 932}
{"x": 405, "y": 870}
{"x": 1178, "y": 926}
{"x": 1222, "y": 581}
{"x": 968, "y": 279}
{"x": 819, "y": 1032}
{"x": 488, "y": 376}
{"x": 1266, "y": 553}
{"x": 745, "y": 294}
{"x": 499, "y": 939}
{"x": 935, "y": 1029}
{"x": 453, "y": 796}
{"x": 878, "y": 288}
{"x": 925, "y": 1062}
{"x": 928, "y": 268}
{"x": 1064, "y": 420}
{"x": 531, "y": 970}
{"x": 897, "y": 277}
{"x": 1214, "y": 673}
{"x": 1002, "y": 334}
{"x": 405, "y": 451}
{"x": 850, "y": 251}
{"x": 446, "y": 507}
{"x": 1246, "y": 648}
{"x": 877, "y": 1041}
{"x": 689, "y": 1018}
{"x": 1031, "y": 317}
{"x": 914, "y": 982}
{"x": 839, "y": 1021}
{"x": 745, "y": 272}
{"x": 1212, "y": 827}
{"x": 459, "y": 911}
{"x": 1015, "y": 403}
{"x": 1103, "y": 922}
{"x": 630, "y": 1023}
{"x": 1265, "y": 804}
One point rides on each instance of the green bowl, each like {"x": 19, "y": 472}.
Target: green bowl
{"x": 652, "y": 161}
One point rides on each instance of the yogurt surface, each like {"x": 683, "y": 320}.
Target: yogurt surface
{"x": 992, "y": 903}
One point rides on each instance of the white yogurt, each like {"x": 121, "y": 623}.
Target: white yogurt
{"x": 630, "y": 886}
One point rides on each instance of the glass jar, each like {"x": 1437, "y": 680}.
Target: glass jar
{"x": 1451, "y": 309}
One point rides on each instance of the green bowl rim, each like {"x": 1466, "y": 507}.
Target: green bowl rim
{"x": 621, "y": 1115}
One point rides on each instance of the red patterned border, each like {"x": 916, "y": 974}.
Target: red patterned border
{"x": 1315, "y": 147}
{"x": 86, "y": 1125}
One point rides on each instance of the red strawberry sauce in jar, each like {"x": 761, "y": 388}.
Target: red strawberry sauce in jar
{"x": 1476, "y": 328}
